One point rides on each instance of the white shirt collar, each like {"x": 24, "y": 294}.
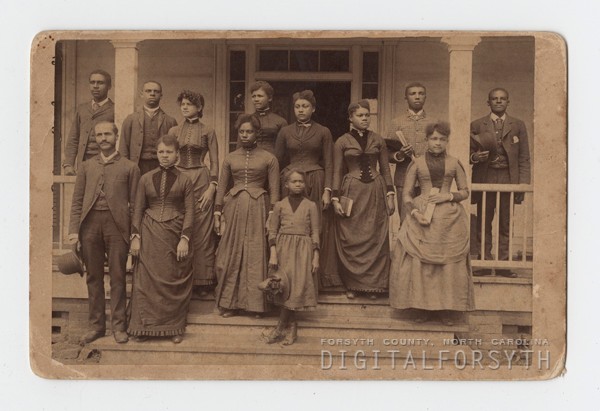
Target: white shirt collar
{"x": 494, "y": 117}
{"x": 151, "y": 111}
{"x": 107, "y": 159}
{"x": 412, "y": 113}
{"x": 101, "y": 103}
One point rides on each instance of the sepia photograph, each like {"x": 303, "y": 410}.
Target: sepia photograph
{"x": 298, "y": 205}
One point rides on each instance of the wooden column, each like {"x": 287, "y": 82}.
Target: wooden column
{"x": 125, "y": 79}
{"x": 459, "y": 100}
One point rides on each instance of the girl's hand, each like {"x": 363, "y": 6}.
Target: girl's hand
{"x": 273, "y": 261}
{"x": 315, "y": 263}
{"x": 420, "y": 218}
{"x": 337, "y": 207}
{"x": 326, "y": 198}
{"x": 391, "y": 204}
{"x": 219, "y": 222}
{"x": 134, "y": 247}
{"x": 182, "y": 249}
{"x": 439, "y": 198}
{"x": 206, "y": 200}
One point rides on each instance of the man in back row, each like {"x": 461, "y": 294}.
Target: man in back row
{"x": 81, "y": 142}
{"x": 143, "y": 128}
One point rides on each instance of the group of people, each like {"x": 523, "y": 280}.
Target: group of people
{"x": 189, "y": 227}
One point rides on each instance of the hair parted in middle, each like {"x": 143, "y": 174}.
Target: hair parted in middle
{"x": 247, "y": 118}
{"x": 196, "y": 99}
{"x": 364, "y": 103}
{"x": 307, "y": 95}
{"x": 169, "y": 141}
{"x": 442, "y": 127}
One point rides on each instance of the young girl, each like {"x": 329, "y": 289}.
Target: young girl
{"x": 294, "y": 242}
{"x": 240, "y": 219}
{"x": 431, "y": 266}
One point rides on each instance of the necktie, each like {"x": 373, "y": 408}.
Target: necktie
{"x": 95, "y": 106}
{"x": 499, "y": 123}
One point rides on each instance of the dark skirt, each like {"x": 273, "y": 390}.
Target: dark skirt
{"x": 362, "y": 239}
{"x": 328, "y": 266}
{"x": 241, "y": 261}
{"x": 204, "y": 239}
{"x": 162, "y": 286}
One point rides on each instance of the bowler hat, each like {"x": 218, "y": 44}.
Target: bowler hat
{"x": 70, "y": 263}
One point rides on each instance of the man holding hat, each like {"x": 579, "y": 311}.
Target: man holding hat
{"x": 103, "y": 201}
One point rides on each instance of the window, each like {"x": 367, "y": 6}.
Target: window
{"x": 370, "y": 76}
{"x": 304, "y": 60}
{"x": 237, "y": 91}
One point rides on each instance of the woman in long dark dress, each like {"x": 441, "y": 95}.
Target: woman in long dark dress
{"x": 431, "y": 268}
{"x": 197, "y": 140}
{"x": 240, "y": 219}
{"x": 308, "y": 146}
{"x": 362, "y": 236}
{"x": 162, "y": 229}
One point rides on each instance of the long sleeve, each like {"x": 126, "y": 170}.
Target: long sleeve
{"x": 134, "y": 179}
{"x": 461, "y": 184}
{"x": 338, "y": 166}
{"x": 524, "y": 162}
{"x": 188, "y": 219}
{"x": 77, "y": 202}
{"x": 328, "y": 157}
{"x": 213, "y": 154}
{"x": 72, "y": 145}
{"x": 409, "y": 184}
{"x": 125, "y": 140}
{"x": 273, "y": 176}
{"x": 384, "y": 166}
{"x": 140, "y": 206}
{"x": 274, "y": 223}
{"x": 280, "y": 149}
{"x": 314, "y": 225}
{"x": 223, "y": 184}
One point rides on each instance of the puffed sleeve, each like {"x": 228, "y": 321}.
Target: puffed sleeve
{"x": 338, "y": 165}
{"x": 384, "y": 164}
{"x": 273, "y": 176}
{"x": 77, "y": 201}
{"x": 223, "y": 184}
{"x": 213, "y": 154}
{"x": 140, "y": 205}
{"x": 314, "y": 225}
{"x": 274, "y": 222}
{"x": 409, "y": 185}
{"x": 188, "y": 201}
{"x": 328, "y": 157}
{"x": 461, "y": 184}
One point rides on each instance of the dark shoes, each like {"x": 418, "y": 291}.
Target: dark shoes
{"x": 482, "y": 272}
{"x": 228, "y": 313}
{"x": 91, "y": 336}
{"x": 121, "y": 337}
{"x": 506, "y": 273}
{"x": 140, "y": 338}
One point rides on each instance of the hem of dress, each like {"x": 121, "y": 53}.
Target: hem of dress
{"x": 203, "y": 282}
{"x": 305, "y": 308}
{"x": 154, "y": 333}
{"x": 367, "y": 290}
{"x": 408, "y": 307}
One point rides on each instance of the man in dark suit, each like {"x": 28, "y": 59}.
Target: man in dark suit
{"x": 81, "y": 142}
{"x": 102, "y": 205}
{"x": 505, "y": 162}
{"x": 143, "y": 128}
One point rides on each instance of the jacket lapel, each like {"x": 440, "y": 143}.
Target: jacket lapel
{"x": 507, "y": 127}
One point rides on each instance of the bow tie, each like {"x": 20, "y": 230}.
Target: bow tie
{"x": 299, "y": 124}
{"x": 359, "y": 133}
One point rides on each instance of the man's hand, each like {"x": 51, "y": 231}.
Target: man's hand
{"x": 480, "y": 156}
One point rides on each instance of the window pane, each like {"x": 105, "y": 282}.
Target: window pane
{"x": 369, "y": 90}
{"x": 335, "y": 60}
{"x": 273, "y": 60}
{"x": 232, "y": 132}
{"x": 237, "y": 65}
{"x": 237, "y": 96}
{"x": 371, "y": 66}
{"x": 304, "y": 60}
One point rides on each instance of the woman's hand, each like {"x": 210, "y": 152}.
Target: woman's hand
{"x": 134, "y": 247}
{"x": 337, "y": 207}
{"x": 439, "y": 198}
{"x": 315, "y": 262}
{"x": 182, "y": 249}
{"x": 391, "y": 204}
{"x": 420, "y": 218}
{"x": 219, "y": 224}
{"x": 326, "y": 198}
{"x": 273, "y": 260}
{"x": 206, "y": 200}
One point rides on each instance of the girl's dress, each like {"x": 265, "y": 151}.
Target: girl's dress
{"x": 241, "y": 259}
{"x": 162, "y": 286}
{"x": 308, "y": 147}
{"x": 294, "y": 229}
{"x": 196, "y": 140}
{"x": 362, "y": 239}
{"x": 431, "y": 268}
